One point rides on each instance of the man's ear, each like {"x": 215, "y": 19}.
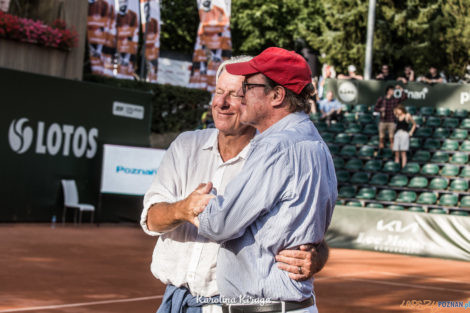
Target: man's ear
{"x": 278, "y": 96}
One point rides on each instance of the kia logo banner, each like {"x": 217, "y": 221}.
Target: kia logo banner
{"x": 53, "y": 139}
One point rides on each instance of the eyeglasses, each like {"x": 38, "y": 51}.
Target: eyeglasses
{"x": 244, "y": 84}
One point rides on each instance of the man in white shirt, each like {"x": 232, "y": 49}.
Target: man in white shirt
{"x": 181, "y": 257}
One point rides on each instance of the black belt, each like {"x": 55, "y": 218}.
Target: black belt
{"x": 267, "y": 307}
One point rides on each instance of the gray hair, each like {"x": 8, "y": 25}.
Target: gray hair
{"x": 237, "y": 59}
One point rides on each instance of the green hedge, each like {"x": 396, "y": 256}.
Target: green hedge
{"x": 175, "y": 109}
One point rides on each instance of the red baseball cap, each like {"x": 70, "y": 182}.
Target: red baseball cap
{"x": 286, "y": 68}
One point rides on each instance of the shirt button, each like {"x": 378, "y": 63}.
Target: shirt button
{"x": 191, "y": 276}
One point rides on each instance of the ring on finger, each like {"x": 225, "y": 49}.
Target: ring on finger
{"x": 300, "y": 269}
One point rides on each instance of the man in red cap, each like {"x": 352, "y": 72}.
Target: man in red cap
{"x": 283, "y": 196}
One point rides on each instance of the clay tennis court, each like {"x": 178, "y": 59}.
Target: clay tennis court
{"x": 90, "y": 269}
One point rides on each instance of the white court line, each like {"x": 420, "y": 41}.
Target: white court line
{"x": 60, "y": 306}
{"x": 417, "y": 276}
{"x": 383, "y": 282}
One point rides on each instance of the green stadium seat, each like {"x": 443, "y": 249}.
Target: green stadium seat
{"x": 450, "y": 122}
{"x": 385, "y": 153}
{"x": 424, "y": 132}
{"x": 348, "y": 151}
{"x": 450, "y": 145}
{"x": 465, "y": 172}
{"x": 415, "y": 143}
{"x": 441, "y": 133}
{"x": 334, "y": 149}
{"x": 354, "y": 204}
{"x": 459, "y": 213}
{"x": 386, "y": 195}
{"x": 353, "y": 128}
{"x": 339, "y": 202}
{"x": 353, "y": 165}
{"x": 460, "y": 134}
{"x": 448, "y": 199}
{"x": 437, "y": 211}
{"x": 366, "y": 193}
{"x": 327, "y": 137}
{"x": 438, "y": 183}
{"x": 373, "y": 165}
{"x": 347, "y": 192}
{"x": 419, "y": 120}
{"x": 465, "y": 123}
{"x": 375, "y": 205}
{"x": 465, "y": 146}
{"x": 342, "y": 176}
{"x": 315, "y": 116}
{"x": 336, "y": 128}
{"x": 421, "y": 156}
{"x": 343, "y": 138}
{"x": 459, "y": 185}
{"x": 366, "y": 118}
{"x": 410, "y": 168}
{"x": 432, "y": 144}
{"x": 366, "y": 151}
{"x": 374, "y": 140}
{"x": 430, "y": 169}
{"x": 360, "y": 108}
{"x": 321, "y": 126}
{"x": 349, "y": 117}
{"x": 398, "y": 181}
{"x": 443, "y": 112}
{"x": 427, "y": 198}
{"x": 459, "y": 158}
{"x": 411, "y": 109}
{"x": 391, "y": 167}
{"x": 379, "y": 179}
{"x": 450, "y": 170}
{"x": 370, "y": 129}
{"x": 359, "y": 139}
{"x": 407, "y": 196}
{"x": 440, "y": 157}
{"x": 426, "y": 111}
{"x": 338, "y": 161}
{"x": 417, "y": 209}
{"x": 433, "y": 121}
{"x": 360, "y": 178}
{"x": 461, "y": 113}
{"x": 418, "y": 182}
{"x": 396, "y": 207}
{"x": 347, "y": 107}
{"x": 465, "y": 202}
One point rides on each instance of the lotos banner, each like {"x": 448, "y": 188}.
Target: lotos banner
{"x": 213, "y": 42}
{"x": 150, "y": 12}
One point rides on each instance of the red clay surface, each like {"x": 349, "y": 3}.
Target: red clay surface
{"x": 105, "y": 269}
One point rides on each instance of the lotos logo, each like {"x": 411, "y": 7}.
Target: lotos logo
{"x": 347, "y": 91}
{"x": 20, "y": 138}
{"x": 67, "y": 139}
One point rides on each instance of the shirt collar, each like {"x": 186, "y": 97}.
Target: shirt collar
{"x": 284, "y": 123}
{"x": 213, "y": 145}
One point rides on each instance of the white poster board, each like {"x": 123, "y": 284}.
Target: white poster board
{"x": 129, "y": 170}
{"x": 173, "y": 72}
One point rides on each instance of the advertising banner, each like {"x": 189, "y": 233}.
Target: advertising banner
{"x": 101, "y": 32}
{"x": 150, "y": 12}
{"x": 127, "y": 27}
{"x": 421, "y": 234}
{"x": 173, "y": 72}
{"x": 53, "y": 129}
{"x": 450, "y": 95}
{"x": 129, "y": 170}
{"x": 213, "y": 42}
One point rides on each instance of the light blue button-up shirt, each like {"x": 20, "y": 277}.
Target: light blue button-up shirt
{"x": 283, "y": 197}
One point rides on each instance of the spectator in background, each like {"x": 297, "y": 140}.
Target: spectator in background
{"x": 408, "y": 75}
{"x": 330, "y": 108}
{"x": 401, "y": 143}
{"x": 432, "y": 77}
{"x": 386, "y": 105}
{"x": 4, "y": 4}
{"x": 385, "y": 73}
{"x": 351, "y": 74}
{"x": 328, "y": 71}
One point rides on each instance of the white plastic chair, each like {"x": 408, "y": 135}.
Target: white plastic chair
{"x": 71, "y": 201}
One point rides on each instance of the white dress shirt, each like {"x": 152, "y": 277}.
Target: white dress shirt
{"x": 182, "y": 257}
